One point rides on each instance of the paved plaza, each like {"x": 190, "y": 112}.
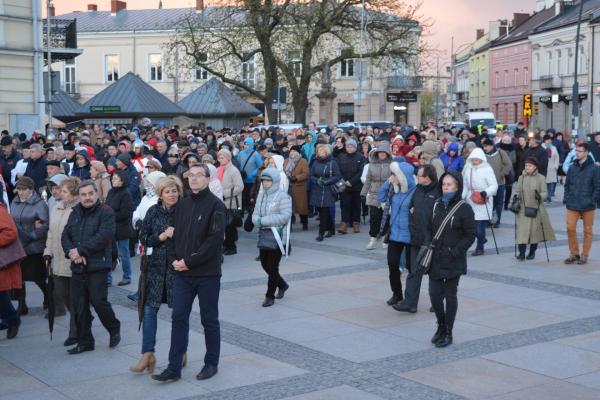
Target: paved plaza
{"x": 527, "y": 330}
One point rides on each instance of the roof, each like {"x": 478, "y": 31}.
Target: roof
{"x": 157, "y": 19}
{"x": 63, "y": 105}
{"x": 215, "y": 99}
{"x": 523, "y": 31}
{"x": 134, "y": 97}
{"x": 570, "y": 15}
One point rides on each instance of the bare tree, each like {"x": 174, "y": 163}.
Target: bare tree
{"x": 295, "y": 40}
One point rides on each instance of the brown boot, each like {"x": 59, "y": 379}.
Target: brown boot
{"x": 343, "y": 228}
{"x": 356, "y": 227}
{"x": 147, "y": 362}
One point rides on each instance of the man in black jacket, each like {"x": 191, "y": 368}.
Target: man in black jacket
{"x": 422, "y": 202}
{"x": 87, "y": 242}
{"x": 538, "y": 152}
{"x": 199, "y": 223}
{"x": 36, "y": 167}
{"x": 351, "y": 165}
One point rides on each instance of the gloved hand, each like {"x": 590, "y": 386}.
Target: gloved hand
{"x": 320, "y": 182}
{"x": 538, "y": 198}
{"x": 47, "y": 258}
{"x": 483, "y": 194}
{"x": 293, "y": 179}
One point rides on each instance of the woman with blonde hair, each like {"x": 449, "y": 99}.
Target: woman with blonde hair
{"x": 101, "y": 178}
{"x": 156, "y": 233}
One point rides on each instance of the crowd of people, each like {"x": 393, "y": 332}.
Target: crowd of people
{"x": 80, "y": 204}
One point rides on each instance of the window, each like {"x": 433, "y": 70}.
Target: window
{"x": 155, "y": 63}
{"x": 200, "y": 73}
{"x": 505, "y": 78}
{"x": 525, "y": 76}
{"x": 536, "y": 66}
{"x": 569, "y": 61}
{"x": 70, "y": 85}
{"x": 249, "y": 73}
{"x": 295, "y": 63}
{"x": 516, "y": 81}
{"x": 497, "y": 80}
{"x": 558, "y": 62}
{"x": 345, "y": 112}
{"x": 111, "y": 66}
{"x": 347, "y": 68}
{"x": 549, "y": 55}
{"x": 581, "y": 66}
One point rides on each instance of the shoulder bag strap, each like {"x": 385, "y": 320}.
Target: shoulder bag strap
{"x": 231, "y": 198}
{"x": 440, "y": 230}
{"x": 248, "y": 159}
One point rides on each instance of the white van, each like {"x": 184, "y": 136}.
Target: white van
{"x": 486, "y": 118}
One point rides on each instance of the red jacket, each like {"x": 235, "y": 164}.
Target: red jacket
{"x": 10, "y": 277}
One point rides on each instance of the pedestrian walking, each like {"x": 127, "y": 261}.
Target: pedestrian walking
{"x": 421, "y": 208}
{"x": 377, "y": 173}
{"x": 582, "y": 197}
{"x": 480, "y": 186}
{"x": 272, "y": 214}
{"x": 31, "y": 217}
{"x": 233, "y": 186}
{"x": 87, "y": 240}
{"x": 10, "y": 273}
{"x": 119, "y": 199}
{"x": 156, "y": 233}
{"x": 533, "y": 222}
{"x": 55, "y": 257}
{"x": 199, "y": 222}
{"x": 500, "y": 163}
{"x": 553, "y": 165}
{"x": 449, "y": 259}
{"x": 396, "y": 193}
{"x": 351, "y": 164}
{"x": 324, "y": 173}
{"x": 250, "y": 161}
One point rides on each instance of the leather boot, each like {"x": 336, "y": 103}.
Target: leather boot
{"x": 147, "y": 362}
{"x": 356, "y": 227}
{"x": 343, "y": 228}
{"x": 445, "y": 339}
{"x": 439, "y": 332}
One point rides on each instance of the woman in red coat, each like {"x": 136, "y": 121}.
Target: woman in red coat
{"x": 10, "y": 277}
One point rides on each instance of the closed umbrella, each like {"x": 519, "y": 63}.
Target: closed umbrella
{"x": 142, "y": 287}
{"x": 50, "y": 297}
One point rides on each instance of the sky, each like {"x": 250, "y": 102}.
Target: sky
{"x": 448, "y": 18}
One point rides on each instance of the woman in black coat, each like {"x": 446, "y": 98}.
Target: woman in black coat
{"x": 324, "y": 173}
{"x": 155, "y": 234}
{"x": 119, "y": 199}
{"x": 449, "y": 260}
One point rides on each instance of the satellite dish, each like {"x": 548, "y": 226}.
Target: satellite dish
{"x": 146, "y": 122}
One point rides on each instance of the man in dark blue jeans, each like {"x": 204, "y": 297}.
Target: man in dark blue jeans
{"x": 199, "y": 223}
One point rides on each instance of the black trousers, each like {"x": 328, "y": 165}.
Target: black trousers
{"x": 440, "y": 290}
{"x": 245, "y": 196}
{"x": 269, "y": 259}
{"x": 507, "y": 195}
{"x": 350, "y": 205}
{"x": 231, "y": 236}
{"x": 532, "y": 248}
{"x": 375, "y": 221}
{"x": 62, "y": 299}
{"x": 413, "y": 281}
{"x": 325, "y": 222}
{"x": 394, "y": 252}
{"x": 86, "y": 289}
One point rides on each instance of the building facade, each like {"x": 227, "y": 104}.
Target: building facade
{"x": 20, "y": 66}
{"x": 389, "y": 92}
{"x": 460, "y": 78}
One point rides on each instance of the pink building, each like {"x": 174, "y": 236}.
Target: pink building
{"x": 510, "y": 67}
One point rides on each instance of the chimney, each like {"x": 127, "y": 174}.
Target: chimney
{"x": 116, "y": 6}
{"x": 92, "y": 7}
{"x": 519, "y": 18}
{"x": 52, "y": 12}
{"x": 480, "y": 33}
{"x": 199, "y": 5}
{"x": 558, "y": 7}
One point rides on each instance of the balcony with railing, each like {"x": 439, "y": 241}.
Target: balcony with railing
{"x": 63, "y": 39}
{"x": 549, "y": 82}
{"x": 405, "y": 82}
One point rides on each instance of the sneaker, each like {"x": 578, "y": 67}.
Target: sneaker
{"x": 393, "y": 300}
{"x": 124, "y": 282}
{"x": 384, "y": 245}
{"x": 582, "y": 260}
{"x": 372, "y": 245}
{"x": 572, "y": 259}
{"x": 404, "y": 307}
{"x": 230, "y": 252}
{"x": 477, "y": 253}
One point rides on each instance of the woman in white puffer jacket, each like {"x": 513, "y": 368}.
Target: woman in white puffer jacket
{"x": 479, "y": 180}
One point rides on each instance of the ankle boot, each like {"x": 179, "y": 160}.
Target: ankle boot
{"x": 22, "y": 308}
{"x": 343, "y": 228}
{"x": 521, "y": 256}
{"x": 356, "y": 227}
{"x": 438, "y": 333}
{"x": 531, "y": 255}
{"x": 446, "y": 339}
{"x": 147, "y": 362}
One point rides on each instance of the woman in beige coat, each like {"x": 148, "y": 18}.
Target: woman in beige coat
{"x": 532, "y": 191}
{"x": 101, "y": 178}
{"x": 55, "y": 255}
{"x": 233, "y": 186}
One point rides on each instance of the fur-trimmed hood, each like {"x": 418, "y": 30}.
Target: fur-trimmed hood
{"x": 405, "y": 174}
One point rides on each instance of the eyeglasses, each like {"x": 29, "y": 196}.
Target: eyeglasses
{"x": 580, "y": 151}
{"x": 196, "y": 176}
{"x": 173, "y": 155}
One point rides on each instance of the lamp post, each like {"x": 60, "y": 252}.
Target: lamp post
{"x": 49, "y": 51}
{"x": 575, "y": 110}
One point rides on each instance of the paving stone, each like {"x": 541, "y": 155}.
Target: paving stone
{"x": 35, "y": 394}
{"x": 476, "y": 378}
{"x": 553, "y": 391}
{"x": 14, "y": 379}
{"x": 338, "y": 393}
{"x": 591, "y": 341}
{"x": 551, "y": 359}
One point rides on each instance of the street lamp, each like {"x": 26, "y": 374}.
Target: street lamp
{"x": 575, "y": 110}
{"x": 49, "y": 5}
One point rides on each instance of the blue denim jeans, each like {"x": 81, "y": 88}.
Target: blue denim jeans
{"x": 499, "y": 202}
{"x": 185, "y": 291}
{"x": 551, "y": 189}
{"x": 480, "y": 233}
{"x": 8, "y": 314}
{"x": 123, "y": 246}
{"x": 149, "y": 329}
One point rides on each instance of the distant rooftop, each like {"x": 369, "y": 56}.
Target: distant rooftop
{"x": 523, "y": 31}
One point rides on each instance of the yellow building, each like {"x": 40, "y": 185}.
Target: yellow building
{"x": 479, "y": 97}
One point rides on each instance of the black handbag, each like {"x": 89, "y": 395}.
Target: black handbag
{"x": 248, "y": 224}
{"x": 339, "y": 186}
{"x": 266, "y": 239}
{"x": 234, "y": 216}
{"x": 425, "y": 254}
{"x": 515, "y": 205}
{"x": 531, "y": 212}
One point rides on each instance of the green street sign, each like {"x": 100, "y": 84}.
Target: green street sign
{"x": 105, "y": 109}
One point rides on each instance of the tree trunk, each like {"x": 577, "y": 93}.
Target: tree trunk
{"x": 300, "y": 109}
